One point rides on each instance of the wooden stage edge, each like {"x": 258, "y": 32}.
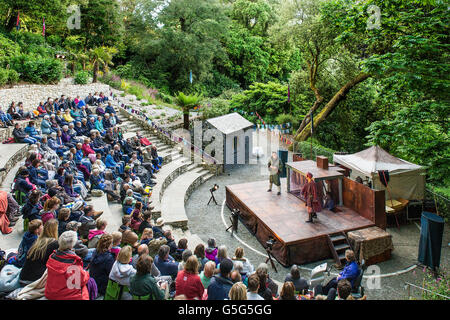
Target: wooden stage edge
{"x": 284, "y": 218}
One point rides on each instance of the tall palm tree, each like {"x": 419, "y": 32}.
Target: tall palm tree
{"x": 74, "y": 53}
{"x": 187, "y": 102}
{"x": 101, "y": 56}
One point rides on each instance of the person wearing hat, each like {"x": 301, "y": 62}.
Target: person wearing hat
{"x": 309, "y": 191}
{"x": 157, "y": 228}
{"x": 274, "y": 172}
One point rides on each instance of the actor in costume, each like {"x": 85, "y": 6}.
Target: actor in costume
{"x": 309, "y": 191}
{"x": 274, "y": 170}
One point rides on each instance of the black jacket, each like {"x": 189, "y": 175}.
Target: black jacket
{"x": 99, "y": 269}
{"x": 19, "y": 134}
{"x": 34, "y": 269}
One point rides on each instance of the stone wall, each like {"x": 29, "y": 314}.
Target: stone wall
{"x": 20, "y": 154}
{"x": 6, "y": 133}
{"x": 32, "y": 94}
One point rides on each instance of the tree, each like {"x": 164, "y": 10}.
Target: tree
{"x": 101, "y": 24}
{"x": 187, "y": 103}
{"x": 73, "y": 46}
{"x": 100, "y": 56}
{"x": 185, "y": 35}
{"x": 301, "y": 25}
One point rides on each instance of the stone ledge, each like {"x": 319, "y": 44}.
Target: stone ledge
{"x": 13, "y": 155}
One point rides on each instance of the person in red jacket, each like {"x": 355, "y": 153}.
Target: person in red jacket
{"x": 66, "y": 278}
{"x": 188, "y": 282}
{"x": 87, "y": 148}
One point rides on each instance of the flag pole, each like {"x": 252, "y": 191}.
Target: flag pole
{"x": 312, "y": 132}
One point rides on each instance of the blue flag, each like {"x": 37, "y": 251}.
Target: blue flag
{"x": 190, "y": 76}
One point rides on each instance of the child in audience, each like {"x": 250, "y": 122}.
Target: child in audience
{"x": 211, "y": 250}
{"x": 126, "y": 221}
{"x": 117, "y": 240}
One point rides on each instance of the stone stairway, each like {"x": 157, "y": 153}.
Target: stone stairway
{"x": 176, "y": 180}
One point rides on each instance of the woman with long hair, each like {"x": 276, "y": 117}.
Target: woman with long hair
{"x": 199, "y": 252}
{"x": 102, "y": 262}
{"x": 39, "y": 253}
{"x": 288, "y": 291}
{"x": 49, "y": 211}
{"x": 68, "y": 186}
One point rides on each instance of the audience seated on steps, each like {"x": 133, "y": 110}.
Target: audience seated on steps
{"x": 61, "y": 170}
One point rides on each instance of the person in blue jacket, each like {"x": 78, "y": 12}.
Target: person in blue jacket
{"x": 46, "y": 126}
{"x": 165, "y": 263}
{"x": 220, "y": 284}
{"x": 110, "y": 163}
{"x": 350, "y": 272}
{"x": 32, "y": 132}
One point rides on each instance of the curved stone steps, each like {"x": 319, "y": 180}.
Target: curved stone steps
{"x": 176, "y": 194}
{"x": 164, "y": 177}
{"x": 9, "y": 156}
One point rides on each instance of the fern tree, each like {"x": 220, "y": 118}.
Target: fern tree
{"x": 187, "y": 103}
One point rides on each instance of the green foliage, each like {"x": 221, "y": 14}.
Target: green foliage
{"x": 304, "y": 147}
{"x": 8, "y": 49}
{"x": 187, "y": 102}
{"x": 287, "y": 118}
{"x": 3, "y": 76}
{"x": 13, "y": 76}
{"x": 81, "y": 77}
{"x": 439, "y": 284}
{"x": 215, "y": 108}
{"x": 37, "y": 69}
{"x": 268, "y": 99}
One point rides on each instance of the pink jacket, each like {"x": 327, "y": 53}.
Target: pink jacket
{"x": 95, "y": 232}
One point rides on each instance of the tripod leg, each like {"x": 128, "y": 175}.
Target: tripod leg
{"x": 214, "y": 199}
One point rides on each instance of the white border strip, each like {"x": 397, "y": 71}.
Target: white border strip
{"x": 408, "y": 269}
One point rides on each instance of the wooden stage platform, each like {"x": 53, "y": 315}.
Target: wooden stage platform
{"x": 284, "y": 218}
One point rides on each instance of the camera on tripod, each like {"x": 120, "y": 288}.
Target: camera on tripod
{"x": 270, "y": 243}
{"x": 234, "y": 219}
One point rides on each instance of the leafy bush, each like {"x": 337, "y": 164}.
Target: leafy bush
{"x": 81, "y": 77}
{"x": 268, "y": 99}
{"x": 165, "y": 97}
{"x": 440, "y": 285}
{"x": 304, "y": 148}
{"x": 8, "y": 49}
{"x": 37, "y": 69}
{"x": 13, "y": 76}
{"x": 3, "y": 76}
{"x": 215, "y": 108}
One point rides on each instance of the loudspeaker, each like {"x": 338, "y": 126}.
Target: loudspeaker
{"x": 283, "y": 155}
{"x": 432, "y": 229}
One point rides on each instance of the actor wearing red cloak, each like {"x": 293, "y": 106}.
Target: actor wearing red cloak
{"x": 309, "y": 191}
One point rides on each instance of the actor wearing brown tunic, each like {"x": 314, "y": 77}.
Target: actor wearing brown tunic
{"x": 309, "y": 191}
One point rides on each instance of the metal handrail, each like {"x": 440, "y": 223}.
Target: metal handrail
{"x": 409, "y": 285}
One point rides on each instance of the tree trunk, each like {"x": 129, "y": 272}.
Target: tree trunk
{"x": 95, "y": 72}
{"x": 186, "y": 120}
{"x": 73, "y": 68}
{"x": 330, "y": 106}
{"x": 313, "y": 67}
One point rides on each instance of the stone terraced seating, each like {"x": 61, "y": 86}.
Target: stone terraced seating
{"x": 10, "y": 155}
{"x": 164, "y": 177}
{"x": 176, "y": 194}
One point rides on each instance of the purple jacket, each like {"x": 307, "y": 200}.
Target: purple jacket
{"x": 211, "y": 253}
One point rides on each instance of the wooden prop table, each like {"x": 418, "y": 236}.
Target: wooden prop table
{"x": 372, "y": 244}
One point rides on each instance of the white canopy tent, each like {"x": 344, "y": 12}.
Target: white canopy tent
{"x": 406, "y": 179}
